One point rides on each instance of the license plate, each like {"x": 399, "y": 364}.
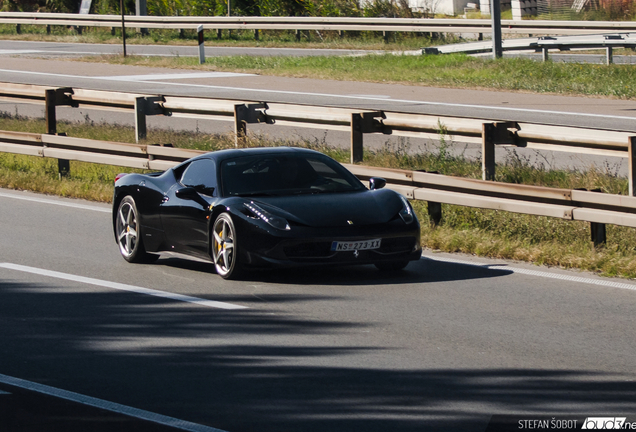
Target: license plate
{"x": 356, "y": 245}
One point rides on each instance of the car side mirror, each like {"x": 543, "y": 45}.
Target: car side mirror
{"x": 376, "y": 183}
{"x": 190, "y": 193}
{"x": 187, "y": 192}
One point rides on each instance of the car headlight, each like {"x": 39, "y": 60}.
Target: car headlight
{"x": 275, "y": 221}
{"x": 407, "y": 211}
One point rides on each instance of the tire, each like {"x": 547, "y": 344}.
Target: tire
{"x": 388, "y": 266}
{"x": 128, "y": 233}
{"x": 225, "y": 247}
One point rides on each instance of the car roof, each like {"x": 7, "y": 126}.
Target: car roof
{"x": 221, "y": 155}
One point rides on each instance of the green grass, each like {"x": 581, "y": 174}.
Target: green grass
{"x": 453, "y": 70}
{"x": 245, "y": 38}
{"x": 541, "y": 240}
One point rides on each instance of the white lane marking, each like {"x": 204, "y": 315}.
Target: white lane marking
{"x": 354, "y": 97}
{"x": 26, "y": 51}
{"x": 106, "y": 405}
{"x": 601, "y": 282}
{"x": 156, "y": 77}
{"x": 122, "y": 287}
{"x": 54, "y": 202}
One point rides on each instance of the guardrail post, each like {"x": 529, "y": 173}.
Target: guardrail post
{"x": 385, "y": 36}
{"x": 609, "y": 56}
{"x": 219, "y": 33}
{"x": 48, "y": 29}
{"x": 256, "y": 36}
{"x": 141, "y": 130}
{"x": 631, "y": 160}
{"x": 145, "y": 106}
{"x": 362, "y": 123}
{"x": 544, "y": 52}
{"x": 599, "y": 234}
{"x": 357, "y": 149}
{"x": 18, "y": 29}
{"x": 297, "y": 35}
{"x": 50, "y": 101}
{"x": 435, "y": 212}
{"x": 240, "y": 125}
{"x": 488, "y": 151}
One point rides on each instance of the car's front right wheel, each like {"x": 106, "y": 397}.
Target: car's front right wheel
{"x": 225, "y": 247}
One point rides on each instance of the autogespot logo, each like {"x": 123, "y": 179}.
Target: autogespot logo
{"x": 606, "y": 423}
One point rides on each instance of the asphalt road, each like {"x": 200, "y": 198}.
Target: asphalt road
{"x": 442, "y": 346}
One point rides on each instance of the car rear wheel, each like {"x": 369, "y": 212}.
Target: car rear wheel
{"x": 391, "y": 265}
{"x": 225, "y": 247}
{"x": 128, "y": 232}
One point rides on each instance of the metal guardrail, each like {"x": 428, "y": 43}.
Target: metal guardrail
{"x": 567, "y": 204}
{"x": 358, "y": 122}
{"x": 592, "y": 207}
{"x": 543, "y": 44}
{"x": 320, "y": 23}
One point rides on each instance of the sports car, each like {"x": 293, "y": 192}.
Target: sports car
{"x": 264, "y": 207}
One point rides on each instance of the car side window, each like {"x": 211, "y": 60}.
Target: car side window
{"x": 201, "y": 175}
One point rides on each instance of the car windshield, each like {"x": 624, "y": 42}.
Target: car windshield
{"x": 285, "y": 174}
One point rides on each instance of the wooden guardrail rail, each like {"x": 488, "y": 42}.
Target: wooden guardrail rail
{"x": 319, "y": 23}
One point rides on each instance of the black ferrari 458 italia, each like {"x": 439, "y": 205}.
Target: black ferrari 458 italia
{"x": 264, "y": 207}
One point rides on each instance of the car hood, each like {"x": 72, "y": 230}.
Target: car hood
{"x": 336, "y": 209}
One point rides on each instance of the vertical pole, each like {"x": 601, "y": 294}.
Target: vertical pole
{"x": 219, "y": 33}
{"x": 229, "y": 8}
{"x": 141, "y": 130}
{"x": 50, "y": 99}
{"x": 385, "y": 36}
{"x": 123, "y": 25}
{"x": 51, "y": 121}
{"x": 201, "y": 46}
{"x": 18, "y": 29}
{"x": 435, "y": 212}
{"x": 544, "y": 51}
{"x": 631, "y": 158}
{"x": 240, "y": 126}
{"x": 48, "y": 29}
{"x": 141, "y": 9}
{"x": 488, "y": 151}
{"x": 357, "y": 150}
{"x": 609, "y": 56}
{"x": 495, "y": 13}
{"x": 256, "y": 36}
{"x": 599, "y": 233}
{"x": 297, "y": 35}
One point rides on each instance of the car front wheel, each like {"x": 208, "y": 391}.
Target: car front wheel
{"x": 225, "y": 247}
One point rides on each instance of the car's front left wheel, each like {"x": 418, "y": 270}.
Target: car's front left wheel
{"x": 128, "y": 232}
{"x": 225, "y": 247}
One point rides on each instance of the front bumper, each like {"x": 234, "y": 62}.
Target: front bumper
{"x": 306, "y": 246}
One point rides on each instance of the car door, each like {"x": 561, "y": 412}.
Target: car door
{"x": 186, "y": 207}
